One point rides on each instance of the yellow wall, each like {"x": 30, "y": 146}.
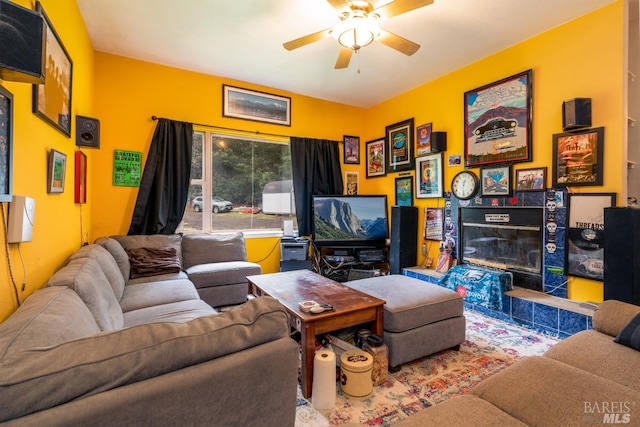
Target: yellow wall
{"x": 58, "y": 221}
{"x": 583, "y": 58}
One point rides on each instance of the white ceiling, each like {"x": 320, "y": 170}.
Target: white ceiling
{"x": 242, "y": 39}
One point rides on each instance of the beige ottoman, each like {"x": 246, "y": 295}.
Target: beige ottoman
{"x": 420, "y": 318}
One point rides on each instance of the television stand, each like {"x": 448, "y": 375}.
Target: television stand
{"x": 340, "y": 262}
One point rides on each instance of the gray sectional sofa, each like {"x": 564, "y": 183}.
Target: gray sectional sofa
{"x": 584, "y": 380}
{"x": 95, "y": 347}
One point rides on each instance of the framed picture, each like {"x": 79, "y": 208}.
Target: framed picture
{"x": 429, "y": 176}
{"x": 56, "y": 172}
{"x": 351, "y": 150}
{"x": 127, "y": 168}
{"x": 6, "y": 145}
{"x": 533, "y": 179}
{"x": 423, "y": 140}
{"x": 400, "y": 146}
{"x": 376, "y": 158}
{"x": 495, "y": 181}
{"x": 585, "y": 233}
{"x": 80, "y": 187}
{"x": 434, "y": 224}
{"x": 257, "y": 106}
{"x": 497, "y": 122}
{"x": 52, "y": 100}
{"x": 351, "y": 183}
{"x": 454, "y": 160}
{"x": 578, "y": 158}
{"x": 404, "y": 191}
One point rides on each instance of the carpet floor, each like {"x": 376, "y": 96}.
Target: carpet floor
{"x": 490, "y": 346}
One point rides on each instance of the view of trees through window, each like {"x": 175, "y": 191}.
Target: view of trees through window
{"x": 248, "y": 178}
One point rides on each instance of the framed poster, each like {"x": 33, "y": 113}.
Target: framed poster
{"x": 578, "y": 158}
{"x": 434, "y": 224}
{"x": 404, "y": 191}
{"x": 429, "y": 176}
{"x": 6, "y": 145}
{"x": 257, "y": 106}
{"x": 127, "y": 166}
{"x": 495, "y": 181}
{"x": 399, "y": 139}
{"x": 585, "y": 234}
{"x": 423, "y": 140}
{"x": 497, "y": 122}
{"x": 80, "y": 187}
{"x": 52, "y": 100}
{"x": 351, "y": 150}
{"x": 56, "y": 172}
{"x": 532, "y": 179}
{"x": 351, "y": 183}
{"x": 376, "y": 158}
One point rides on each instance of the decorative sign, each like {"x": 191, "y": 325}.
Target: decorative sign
{"x": 127, "y": 168}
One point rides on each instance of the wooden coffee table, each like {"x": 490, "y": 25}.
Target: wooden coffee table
{"x": 350, "y": 308}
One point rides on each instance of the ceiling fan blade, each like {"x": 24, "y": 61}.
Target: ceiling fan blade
{"x": 308, "y": 39}
{"x": 399, "y": 7}
{"x": 343, "y": 58}
{"x": 339, "y": 5}
{"x": 398, "y": 43}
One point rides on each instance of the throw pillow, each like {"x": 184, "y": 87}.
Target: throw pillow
{"x": 153, "y": 261}
{"x": 630, "y": 334}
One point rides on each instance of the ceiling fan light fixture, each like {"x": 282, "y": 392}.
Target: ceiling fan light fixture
{"x": 356, "y": 32}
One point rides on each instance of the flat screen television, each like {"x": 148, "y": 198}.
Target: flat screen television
{"x": 350, "y": 220}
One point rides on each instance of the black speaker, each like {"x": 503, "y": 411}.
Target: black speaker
{"x": 404, "y": 238}
{"x": 622, "y": 254}
{"x": 576, "y": 113}
{"x": 438, "y": 142}
{"x": 22, "y": 34}
{"x": 87, "y": 132}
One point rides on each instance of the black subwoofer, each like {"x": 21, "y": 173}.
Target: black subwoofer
{"x": 22, "y": 36}
{"x": 576, "y": 114}
{"x": 87, "y": 132}
{"x": 622, "y": 254}
{"x": 404, "y": 238}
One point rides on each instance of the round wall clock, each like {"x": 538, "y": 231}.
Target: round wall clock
{"x": 464, "y": 185}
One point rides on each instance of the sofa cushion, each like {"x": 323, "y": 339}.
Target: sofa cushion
{"x": 147, "y": 262}
{"x": 222, "y": 273}
{"x": 611, "y": 316}
{"x": 47, "y": 317}
{"x": 181, "y": 311}
{"x": 211, "y": 248}
{"x": 152, "y": 241}
{"x": 118, "y": 253}
{"x": 107, "y": 263}
{"x": 48, "y": 376}
{"x": 159, "y": 278}
{"x": 156, "y": 293}
{"x": 86, "y": 278}
{"x": 630, "y": 334}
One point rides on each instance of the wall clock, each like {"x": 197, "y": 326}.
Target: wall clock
{"x": 464, "y": 185}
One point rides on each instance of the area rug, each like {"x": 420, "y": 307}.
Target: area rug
{"x": 490, "y": 346}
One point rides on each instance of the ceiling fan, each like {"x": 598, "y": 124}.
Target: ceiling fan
{"x": 359, "y": 27}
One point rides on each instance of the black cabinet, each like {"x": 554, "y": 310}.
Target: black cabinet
{"x": 622, "y": 254}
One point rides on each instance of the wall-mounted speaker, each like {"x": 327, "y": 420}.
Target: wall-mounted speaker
{"x": 404, "y": 238}
{"x": 22, "y": 32}
{"x": 576, "y": 113}
{"x": 438, "y": 142}
{"x": 87, "y": 132}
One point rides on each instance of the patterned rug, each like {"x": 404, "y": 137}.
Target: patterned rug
{"x": 490, "y": 346}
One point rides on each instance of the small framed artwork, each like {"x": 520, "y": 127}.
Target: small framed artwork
{"x": 376, "y": 158}
{"x": 257, "y": 106}
{"x": 52, "y": 100}
{"x": 497, "y": 122}
{"x": 429, "y": 176}
{"x": 434, "y": 224}
{"x": 404, "y": 191}
{"x": 80, "y": 193}
{"x": 585, "y": 234}
{"x": 533, "y": 179}
{"x": 578, "y": 158}
{"x": 56, "y": 172}
{"x": 423, "y": 140}
{"x": 351, "y": 183}
{"x": 454, "y": 160}
{"x": 6, "y": 145}
{"x": 127, "y": 167}
{"x": 495, "y": 181}
{"x": 399, "y": 139}
{"x": 351, "y": 150}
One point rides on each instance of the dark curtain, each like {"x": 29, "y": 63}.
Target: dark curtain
{"x": 316, "y": 171}
{"x": 164, "y": 186}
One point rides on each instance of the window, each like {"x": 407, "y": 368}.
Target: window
{"x": 248, "y": 178}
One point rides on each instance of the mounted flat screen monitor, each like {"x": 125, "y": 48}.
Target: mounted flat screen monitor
{"x": 357, "y": 221}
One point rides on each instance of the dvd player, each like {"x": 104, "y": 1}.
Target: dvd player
{"x": 373, "y": 255}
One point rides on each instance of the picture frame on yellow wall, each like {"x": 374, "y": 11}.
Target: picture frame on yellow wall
{"x": 257, "y": 106}
{"x": 56, "y": 172}
{"x": 6, "y": 145}
{"x": 429, "y": 176}
{"x": 376, "y": 158}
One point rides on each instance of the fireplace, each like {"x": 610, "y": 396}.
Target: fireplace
{"x": 508, "y": 238}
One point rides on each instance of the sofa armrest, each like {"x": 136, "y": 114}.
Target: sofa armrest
{"x": 211, "y": 248}
{"x": 611, "y": 316}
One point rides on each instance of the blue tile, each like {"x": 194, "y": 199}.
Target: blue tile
{"x": 571, "y": 322}
{"x": 506, "y": 304}
{"x": 545, "y": 316}
{"x": 522, "y": 309}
